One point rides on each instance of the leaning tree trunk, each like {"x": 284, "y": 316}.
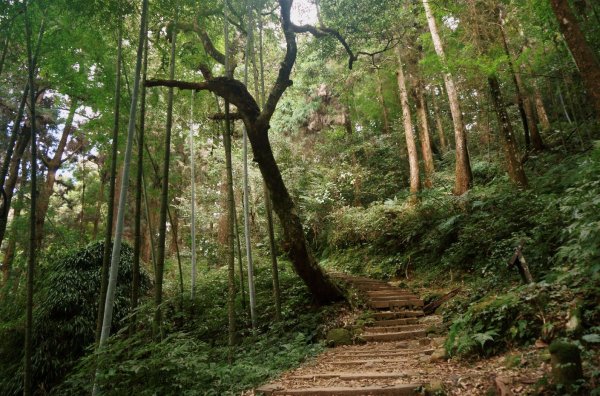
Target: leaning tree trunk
{"x": 257, "y": 124}
{"x": 585, "y": 58}
{"x": 411, "y": 146}
{"x": 9, "y": 253}
{"x": 464, "y": 177}
{"x": 11, "y": 181}
{"x": 514, "y": 166}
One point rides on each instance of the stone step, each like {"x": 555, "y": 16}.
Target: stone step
{"x": 403, "y": 335}
{"x": 388, "y": 355}
{"x": 351, "y": 375}
{"x": 393, "y": 329}
{"x": 396, "y": 390}
{"x": 395, "y": 322}
{"x": 397, "y": 314}
{"x": 392, "y": 304}
{"x": 389, "y": 292}
{"x": 370, "y": 363}
{"x": 392, "y": 297}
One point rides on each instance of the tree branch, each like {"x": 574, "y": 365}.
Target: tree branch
{"x": 228, "y": 88}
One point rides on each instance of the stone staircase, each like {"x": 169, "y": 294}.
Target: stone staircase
{"x": 387, "y": 362}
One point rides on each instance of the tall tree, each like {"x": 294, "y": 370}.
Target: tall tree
{"x": 463, "y": 177}
{"x": 267, "y": 194}
{"x": 246, "y": 198}
{"x": 31, "y": 254}
{"x": 113, "y": 181}
{"x": 513, "y": 163}
{"x": 257, "y": 124}
{"x": 137, "y": 241}
{"x": 409, "y": 134}
{"x": 164, "y": 197}
{"x": 584, "y": 55}
{"x": 116, "y": 249}
{"x": 231, "y": 217}
{"x": 193, "y": 197}
{"x": 424, "y": 138}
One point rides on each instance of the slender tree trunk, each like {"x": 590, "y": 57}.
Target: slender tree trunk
{"x": 11, "y": 181}
{"x": 518, "y": 87}
{"x": 239, "y": 257}
{"x": 541, "y": 109}
{"x": 116, "y": 251}
{"x": 411, "y": 145}
{"x": 464, "y": 176}
{"x": 98, "y": 206}
{"x": 31, "y": 259}
{"x": 421, "y": 106}
{"x": 230, "y": 231}
{"x": 53, "y": 165}
{"x": 5, "y": 49}
{"x": 438, "y": 124}
{"x": 12, "y": 141}
{"x": 164, "y": 199}
{"x": 193, "y": 204}
{"x": 267, "y": 195}
{"x": 585, "y": 58}
{"x": 6, "y": 188}
{"x": 384, "y": 109}
{"x": 246, "y": 190}
{"x": 106, "y": 254}
{"x": 9, "y": 253}
{"x": 514, "y": 166}
{"x": 230, "y": 204}
{"x": 137, "y": 240}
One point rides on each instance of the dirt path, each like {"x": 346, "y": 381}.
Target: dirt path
{"x": 397, "y": 357}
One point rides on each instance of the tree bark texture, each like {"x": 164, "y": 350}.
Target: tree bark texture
{"x": 409, "y": 134}
{"x": 513, "y": 164}
{"x": 438, "y": 124}
{"x": 424, "y": 138}
{"x": 585, "y": 58}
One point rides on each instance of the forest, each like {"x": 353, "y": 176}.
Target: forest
{"x": 310, "y": 197}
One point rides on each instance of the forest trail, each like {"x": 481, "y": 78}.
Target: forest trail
{"x": 392, "y": 360}
{"x": 400, "y": 356}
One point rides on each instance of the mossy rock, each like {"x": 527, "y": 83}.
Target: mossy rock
{"x": 339, "y": 336}
{"x": 512, "y": 361}
{"x": 566, "y": 363}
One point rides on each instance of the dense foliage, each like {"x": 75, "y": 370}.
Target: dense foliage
{"x": 505, "y": 85}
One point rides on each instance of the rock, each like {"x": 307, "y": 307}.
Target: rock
{"x": 438, "y": 355}
{"x": 338, "y": 336}
{"x": 439, "y": 341}
{"x": 424, "y": 341}
{"x": 566, "y": 363}
{"x": 435, "y": 388}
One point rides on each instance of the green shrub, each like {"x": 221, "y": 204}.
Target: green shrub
{"x": 64, "y": 316}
